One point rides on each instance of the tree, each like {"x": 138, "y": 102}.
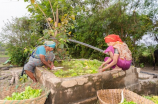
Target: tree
{"x": 18, "y": 34}
{"x": 115, "y": 17}
{"x": 61, "y": 24}
{"x": 93, "y": 19}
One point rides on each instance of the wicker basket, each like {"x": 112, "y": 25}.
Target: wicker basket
{"x": 8, "y": 90}
{"x": 113, "y": 96}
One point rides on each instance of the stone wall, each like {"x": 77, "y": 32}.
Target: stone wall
{"x": 147, "y": 87}
{"x": 82, "y": 89}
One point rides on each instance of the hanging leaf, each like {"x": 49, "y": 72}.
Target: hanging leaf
{"x": 32, "y": 1}
{"x": 46, "y": 36}
{"x": 61, "y": 46}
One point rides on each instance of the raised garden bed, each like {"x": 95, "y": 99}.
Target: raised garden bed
{"x": 77, "y": 68}
{"x": 82, "y": 88}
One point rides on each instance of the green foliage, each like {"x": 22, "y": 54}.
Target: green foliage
{"x": 113, "y": 18}
{"x": 146, "y": 53}
{"x": 42, "y": 10}
{"x": 127, "y": 102}
{"x": 19, "y": 34}
{"x": 127, "y": 18}
{"x": 141, "y": 65}
{"x": 23, "y": 78}
{"x": 27, "y": 94}
{"x": 78, "y": 67}
{"x": 16, "y": 55}
{"x": 143, "y": 55}
{"x": 153, "y": 98}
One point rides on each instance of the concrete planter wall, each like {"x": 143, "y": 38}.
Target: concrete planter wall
{"x": 82, "y": 89}
{"x": 147, "y": 87}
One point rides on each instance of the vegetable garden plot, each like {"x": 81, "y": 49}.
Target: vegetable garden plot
{"x": 78, "y": 67}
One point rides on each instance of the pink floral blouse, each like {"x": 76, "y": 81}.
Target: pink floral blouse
{"x": 123, "y": 50}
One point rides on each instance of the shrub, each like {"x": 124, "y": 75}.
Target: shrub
{"x": 17, "y": 55}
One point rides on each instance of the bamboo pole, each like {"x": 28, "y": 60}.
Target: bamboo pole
{"x": 52, "y": 10}
{"x": 44, "y": 16}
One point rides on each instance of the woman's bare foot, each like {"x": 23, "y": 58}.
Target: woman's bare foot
{"x": 34, "y": 80}
{"x": 118, "y": 69}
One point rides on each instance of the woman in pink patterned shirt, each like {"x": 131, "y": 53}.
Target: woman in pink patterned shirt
{"x": 120, "y": 55}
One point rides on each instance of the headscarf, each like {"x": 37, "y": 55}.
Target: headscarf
{"x": 122, "y": 48}
{"x": 50, "y": 44}
{"x": 112, "y": 38}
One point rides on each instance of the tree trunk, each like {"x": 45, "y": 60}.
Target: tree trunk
{"x": 56, "y": 23}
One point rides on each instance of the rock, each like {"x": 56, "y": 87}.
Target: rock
{"x": 4, "y": 68}
{"x": 144, "y": 76}
{"x": 1, "y": 78}
{"x": 69, "y": 83}
{"x": 155, "y": 76}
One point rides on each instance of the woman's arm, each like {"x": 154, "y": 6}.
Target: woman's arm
{"x": 52, "y": 64}
{"x": 42, "y": 58}
{"x": 108, "y": 60}
{"x": 114, "y": 62}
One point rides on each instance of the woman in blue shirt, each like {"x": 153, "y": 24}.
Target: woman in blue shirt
{"x": 42, "y": 55}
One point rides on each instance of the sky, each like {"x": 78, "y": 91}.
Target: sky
{"x": 12, "y": 8}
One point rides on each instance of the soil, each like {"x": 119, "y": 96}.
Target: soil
{"x": 3, "y": 59}
{"x": 5, "y": 74}
{"x": 150, "y": 69}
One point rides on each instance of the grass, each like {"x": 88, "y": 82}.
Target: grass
{"x": 4, "y": 55}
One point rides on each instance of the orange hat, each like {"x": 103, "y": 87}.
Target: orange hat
{"x": 112, "y": 38}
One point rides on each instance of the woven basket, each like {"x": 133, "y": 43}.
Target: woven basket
{"x": 8, "y": 90}
{"x": 113, "y": 96}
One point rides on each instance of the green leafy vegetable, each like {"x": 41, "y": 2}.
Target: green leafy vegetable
{"x": 27, "y": 94}
{"x": 78, "y": 67}
{"x": 23, "y": 78}
{"x": 127, "y": 102}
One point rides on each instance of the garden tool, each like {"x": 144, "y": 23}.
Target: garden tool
{"x": 87, "y": 45}
{"x": 56, "y": 68}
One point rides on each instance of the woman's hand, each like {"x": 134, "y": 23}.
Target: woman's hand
{"x": 100, "y": 67}
{"x": 100, "y": 70}
{"x": 52, "y": 67}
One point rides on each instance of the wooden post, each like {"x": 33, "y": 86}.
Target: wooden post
{"x": 13, "y": 78}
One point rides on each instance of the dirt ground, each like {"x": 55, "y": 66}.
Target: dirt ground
{"x": 3, "y": 59}
{"x": 150, "y": 69}
{"x": 5, "y": 75}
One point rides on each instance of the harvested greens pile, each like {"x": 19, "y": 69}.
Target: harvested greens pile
{"x": 27, "y": 94}
{"x": 78, "y": 67}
